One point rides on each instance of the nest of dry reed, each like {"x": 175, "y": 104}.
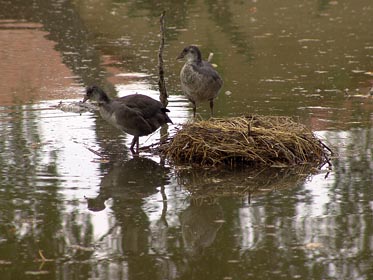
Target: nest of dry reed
{"x": 251, "y": 140}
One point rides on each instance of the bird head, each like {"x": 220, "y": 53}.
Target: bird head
{"x": 96, "y": 94}
{"x": 191, "y": 54}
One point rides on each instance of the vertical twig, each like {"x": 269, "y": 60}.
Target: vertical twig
{"x": 164, "y": 210}
{"x": 211, "y": 55}
{"x": 161, "y": 83}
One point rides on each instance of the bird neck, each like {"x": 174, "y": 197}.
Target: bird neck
{"x": 103, "y": 98}
{"x": 198, "y": 57}
{"x": 194, "y": 60}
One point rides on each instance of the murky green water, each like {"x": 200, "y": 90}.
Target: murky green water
{"x": 70, "y": 188}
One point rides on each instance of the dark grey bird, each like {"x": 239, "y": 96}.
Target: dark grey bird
{"x": 199, "y": 80}
{"x": 135, "y": 114}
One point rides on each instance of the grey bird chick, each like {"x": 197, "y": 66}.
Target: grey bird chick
{"x": 199, "y": 80}
{"x": 135, "y": 114}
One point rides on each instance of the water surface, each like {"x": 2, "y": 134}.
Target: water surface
{"x": 70, "y": 188}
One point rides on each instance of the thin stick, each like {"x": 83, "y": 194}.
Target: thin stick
{"x": 93, "y": 151}
{"x": 43, "y": 259}
{"x": 211, "y": 55}
{"x": 161, "y": 83}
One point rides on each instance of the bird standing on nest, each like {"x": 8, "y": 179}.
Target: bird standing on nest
{"x": 199, "y": 80}
{"x": 135, "y": 114}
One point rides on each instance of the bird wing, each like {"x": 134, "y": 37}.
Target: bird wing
{"x": 142, "y": 103}
{"x": 130, "y": 120}
{"x": 207, "y": 70}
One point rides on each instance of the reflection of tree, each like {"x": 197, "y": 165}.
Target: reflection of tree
{"x": 221, "y": 14}
{"x": 177, "y": 16}
{"x": 62, "y": 21}
{"x": 175, "y": 13}
{"x": 284, "y": 230}
{"x": 270, "y": 227}
{"x": 323, "y": 5}
{"x": 29, "y": 209}
{"x": 350, "y": 197}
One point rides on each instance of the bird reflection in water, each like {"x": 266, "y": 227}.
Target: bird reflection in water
{"x": 200, "y": 224}
{"x": 127, "y": 183}
{"x": 130, "y": 180}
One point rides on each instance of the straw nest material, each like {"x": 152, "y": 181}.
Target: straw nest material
{"x": 252, "y": 140}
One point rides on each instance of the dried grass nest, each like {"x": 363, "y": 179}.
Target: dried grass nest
{"x": 250, "y": 140}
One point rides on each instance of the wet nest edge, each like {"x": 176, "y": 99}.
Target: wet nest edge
{"x": 253, "y": 140}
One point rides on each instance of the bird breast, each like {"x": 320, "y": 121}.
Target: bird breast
{"x": 110, "y": 117}
{"x": 199, "y": 85}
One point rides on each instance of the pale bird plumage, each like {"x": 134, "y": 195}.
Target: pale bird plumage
{"x": 199, "y": 80}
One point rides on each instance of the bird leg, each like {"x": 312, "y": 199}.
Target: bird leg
{"x": 194, "y": 107}
{"x": 212, "y": 107}
{"x": 135, "y": 140}
{"x": 137, "y": 145}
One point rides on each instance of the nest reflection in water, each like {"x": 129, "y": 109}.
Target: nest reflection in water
{"x": 207, "y": 184}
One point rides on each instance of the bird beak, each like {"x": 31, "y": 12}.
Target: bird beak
{"x": 181, "y": 56}
{"x": 85, "y": 98}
